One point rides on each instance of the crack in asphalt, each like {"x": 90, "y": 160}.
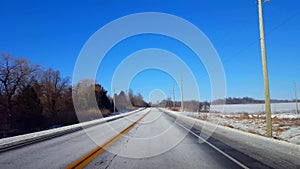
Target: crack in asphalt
{"x": 111, "y": 161}
{"x": 115, "y": 155}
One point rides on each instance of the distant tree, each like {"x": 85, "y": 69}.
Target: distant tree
{"x": 91, "y": 97}
{"x": 200, "y": 106}
{"x": 136, "y": 100}
{"x": 121, "y": 101}
{"x": 102, "y": 99}
{"x": 82, "y": 92}
{"x": 131, "y": 97}
{"x": 139, "y": 101}
{"x": 206, "y": 106}
{"x": 169, "y": 102}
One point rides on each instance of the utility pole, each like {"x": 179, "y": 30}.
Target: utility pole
{"x": 114, "y": 100}
{"x": 181, "y": 86}
{"x": 295, "y": 90}
{"x": 265, "y": 71}
{"x": 173, "y": 95}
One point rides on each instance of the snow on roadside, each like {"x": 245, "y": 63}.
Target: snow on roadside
{"x": 286, "y": 126}
{"x": 4, "y": 142}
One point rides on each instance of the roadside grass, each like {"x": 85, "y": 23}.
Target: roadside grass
{"x": 252, "y": 123}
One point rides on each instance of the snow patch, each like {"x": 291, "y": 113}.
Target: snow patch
{"x": 286, "y": 125}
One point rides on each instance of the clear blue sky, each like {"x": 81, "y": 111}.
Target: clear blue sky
{"x": 52, "y": 33}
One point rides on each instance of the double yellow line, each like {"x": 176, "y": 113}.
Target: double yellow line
{"x": 86, "y": 159}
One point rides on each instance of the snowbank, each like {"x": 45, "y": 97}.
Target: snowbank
{"x": 17, "y": 141}
{"x": 286, "y": 126}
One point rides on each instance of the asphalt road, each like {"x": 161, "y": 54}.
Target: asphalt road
{"x": 156, "y": 141}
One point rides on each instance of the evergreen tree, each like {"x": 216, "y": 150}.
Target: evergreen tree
{"x": 29, "y": 110}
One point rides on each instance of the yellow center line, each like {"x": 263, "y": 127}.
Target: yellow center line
{"x": 86, "y": 159}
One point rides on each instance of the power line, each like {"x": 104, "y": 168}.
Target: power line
{"x": 256, "y": 41}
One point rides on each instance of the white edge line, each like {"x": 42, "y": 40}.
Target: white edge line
{"x": 216, "y": 148}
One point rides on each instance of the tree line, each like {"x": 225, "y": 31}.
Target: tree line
{"x": 247, "y": 100}
{"x": 192, "y": 105}
{"x": 33, "y": 99}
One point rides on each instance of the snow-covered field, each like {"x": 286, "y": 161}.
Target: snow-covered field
{"x": 250, "y": 118}
{"x": 255, "y": 108}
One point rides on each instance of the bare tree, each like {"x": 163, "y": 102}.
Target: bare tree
{"x": 52, "y": 88}
{"x": 136, "y": 100}
{"x": 15, "y": 74}
{"x": 82, "y": 92}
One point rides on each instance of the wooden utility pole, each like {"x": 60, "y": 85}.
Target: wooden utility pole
{"x": 265, "y": 71}
{"x": 173, "y": 95}
{"x": 295, "y": 90}
{"x": 181, "y": 89}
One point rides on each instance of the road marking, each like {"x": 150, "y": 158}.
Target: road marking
{"x": 86, "y": 159}
{"x": 216, "y": 148}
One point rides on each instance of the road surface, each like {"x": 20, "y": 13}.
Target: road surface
{"x": 153, "y": 140}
